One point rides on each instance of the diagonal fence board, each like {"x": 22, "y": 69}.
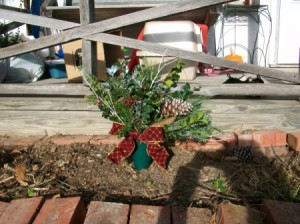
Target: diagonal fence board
{"x": 160, "y": 49}
{"x": 194, "y": 56}
{"x": 36, "y": 20}
{"x": 70, "y": 89}
{"x": 127, "y": 42}
{"x": 107, "y": 25}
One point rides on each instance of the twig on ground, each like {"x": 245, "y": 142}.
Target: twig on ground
{"x": 7, "y": 179}
{"x": 68, "y": 185}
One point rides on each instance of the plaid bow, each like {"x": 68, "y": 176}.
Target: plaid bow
{"x": 152, "y": 136}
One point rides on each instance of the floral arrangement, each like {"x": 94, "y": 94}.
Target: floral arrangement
{"x": 145, "y": 108}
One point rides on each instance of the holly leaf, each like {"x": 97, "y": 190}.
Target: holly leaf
{"x": 169, "y": 83}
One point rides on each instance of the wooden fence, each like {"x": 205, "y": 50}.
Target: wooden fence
{"x": 96, "y": 31}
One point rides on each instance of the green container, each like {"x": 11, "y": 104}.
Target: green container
{"x": 140, "y": 158}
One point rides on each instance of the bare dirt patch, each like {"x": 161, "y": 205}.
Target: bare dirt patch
{"x": 192, "y": 178}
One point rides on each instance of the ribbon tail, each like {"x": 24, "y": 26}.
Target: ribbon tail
{"x": 158, "y": 153}
{"x": 124, "y": 149}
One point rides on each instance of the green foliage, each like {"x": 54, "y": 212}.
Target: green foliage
{"x": 135, "y": 100}
{"x": 31, "y": 192}
{"x": 219, "y": 183}
{"x": 7, "y": 38}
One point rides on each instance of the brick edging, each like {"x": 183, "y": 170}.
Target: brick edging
{"x": 265, "y": 141}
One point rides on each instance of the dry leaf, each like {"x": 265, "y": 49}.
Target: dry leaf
{"x": 20, "y": 171}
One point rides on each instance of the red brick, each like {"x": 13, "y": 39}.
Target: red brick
{"x": 182, "y": 215}
{"x": 19, "y": 141}
{"x": 3, "y": 206}
{"x": 293, "y": 140}
{"x": 106, "y": 140}
{"x": 279, "y": 212}
{"x": 21, "y": 210}
{"x": 222, "y": 143}
{"x": 61, "y": 210}
{"x": 70, "y": 139}
{"x": 107, "y": 212}
{"x": 237, "y": 214}
{"x": 264, "y": 138}
{"x": 150, "y": 214}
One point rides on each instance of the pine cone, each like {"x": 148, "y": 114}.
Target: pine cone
{"x": 243, "y": 153}
{"x": 175, "y": 107}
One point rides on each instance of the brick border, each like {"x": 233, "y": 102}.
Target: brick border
{"x": 266, "y": 142}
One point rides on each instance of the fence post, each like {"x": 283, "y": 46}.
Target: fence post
{"x": 87, "y": 15}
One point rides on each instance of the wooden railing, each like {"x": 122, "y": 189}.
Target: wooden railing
{"x": 96, "y": 32}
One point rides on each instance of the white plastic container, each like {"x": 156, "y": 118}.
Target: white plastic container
{"x": 180, "y": 34}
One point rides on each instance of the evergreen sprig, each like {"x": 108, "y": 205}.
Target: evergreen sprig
{"x": 135, "y": 100}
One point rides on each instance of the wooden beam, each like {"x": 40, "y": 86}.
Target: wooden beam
{"x": 53, "y": 122}
{"x": 36, "y": 20}
{"x": 217, "y": 106}
{"x": 106, "y": 25}
{"x": 208, "y": 90}
{"x": 39, "y": 123}
{"x": 87, "y": 16}
{"x": 13, "y": 9}
{"x": 250, "y": 90}
{"x": 195, "y": 56}
{"x": 46, "y": 3}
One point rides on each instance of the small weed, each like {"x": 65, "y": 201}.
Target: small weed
{"x": 219, "y": 183}
{"x": 31, "y": 192}
{"x": 149, "y": 183}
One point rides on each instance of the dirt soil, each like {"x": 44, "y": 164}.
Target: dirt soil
{"x": 192, "y": 178}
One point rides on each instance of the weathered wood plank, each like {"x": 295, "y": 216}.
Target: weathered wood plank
{"x": 252, "y": 106}
{"x": 250, "y": 90}
{"x": 231, "y": 122}
{"x": 11, "y": 8}
{"x": 106, "y": 25}
{"x": 89, "y": 50}
{"x": 53, "y": 122}
{"x": 208, "y": 90}
{"x": 91, "y": 122}
{"x": 46, "y": 104}
{"x": 36, "y": 20}
{"x": 217, "y": 106}
{"x": 44, "y": 90}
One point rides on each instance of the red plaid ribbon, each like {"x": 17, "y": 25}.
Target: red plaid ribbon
{"x": 152, "y": 136}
